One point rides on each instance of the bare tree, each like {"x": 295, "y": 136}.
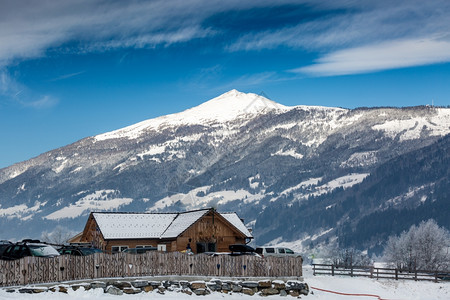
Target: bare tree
{"x": 422, "y": 247}
{"x": 58, "y": 236}
{"x": 345, "y": 257}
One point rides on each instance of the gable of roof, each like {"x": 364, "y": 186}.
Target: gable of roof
{"x": 156, "y": 225}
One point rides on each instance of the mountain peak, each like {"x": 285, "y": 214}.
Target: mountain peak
{"x": 232, "y": 104}
{"x": 232, "y": 92}
{"x": 226, "y": 107}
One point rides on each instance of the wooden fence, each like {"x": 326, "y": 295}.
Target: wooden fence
{"x": 32, "y": 270}
{"x": 380, "y": 273}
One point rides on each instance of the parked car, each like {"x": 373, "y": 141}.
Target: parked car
{"x": 213, "y": 254}
{"x": 444, "y": 276}
{"x": 242, "y": 249}
{"x": 244, "y": 253}
{"x": 78, "y": 251}
{"x": 276, "y": 251}
{"x": 4, "y": 245}
{"x": 28, "y": 248}
{"x": 139, "y": 250}
{"x": 209, "y": 253}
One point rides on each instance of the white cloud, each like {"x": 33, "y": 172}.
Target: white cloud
{"x": 29, "y": 29}
{"x": 332, "y": 28}
{"x": 19, "y": 94}
{"x": 8, "y": 86}
{"x": 45, "y": 101}
{"x": 366, "y": 36}
{"x": 378, "y": 57}
{"x": 333, "y": 25}
{"x": 67, "y": 76}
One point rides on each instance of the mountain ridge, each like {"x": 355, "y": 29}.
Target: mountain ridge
{"x": 226, "y": 107}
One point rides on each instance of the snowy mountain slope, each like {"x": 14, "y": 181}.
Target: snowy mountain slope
{"x": 225, "y": 108}
{"x": 238, "y": 152}
{"x": 403, "y": 191}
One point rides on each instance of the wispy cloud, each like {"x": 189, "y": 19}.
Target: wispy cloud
{"x": 9, "y": 88}
{"x": 362, "y": 36}
{"x": 378, "y": 57}
{"x": 45, "y": 101}
{"x": 28, "y": 30}
{"x": 342, "y": 24}
{"x": 18, "y": 94}
{"x": 327, "y": 28}
{"x": 251, "y": 80}
{"x": 67, "y": 76}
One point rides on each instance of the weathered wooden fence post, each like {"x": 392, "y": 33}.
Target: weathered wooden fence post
{"x": 23, "y": 272}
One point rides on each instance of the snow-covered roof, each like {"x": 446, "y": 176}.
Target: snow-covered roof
{"x": 234, "y": 219}
{"x": 155, "y": 225}
{"x": 182, "y": 222}
{"x": 133, "y": 225}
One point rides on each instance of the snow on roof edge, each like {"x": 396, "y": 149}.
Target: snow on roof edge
{"x": 170, "y": 227}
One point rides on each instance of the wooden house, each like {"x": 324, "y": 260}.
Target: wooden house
{"x": 200, "y": 230}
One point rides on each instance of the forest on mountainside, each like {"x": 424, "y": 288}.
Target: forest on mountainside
{"x": 382, "y": 205}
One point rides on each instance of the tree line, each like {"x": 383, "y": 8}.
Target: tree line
{"x": 422, "y": 247}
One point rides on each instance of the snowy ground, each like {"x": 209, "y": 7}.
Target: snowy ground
{"x": 385, "y": 289}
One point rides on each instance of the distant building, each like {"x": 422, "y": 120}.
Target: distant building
{"x": 199, "y": 230}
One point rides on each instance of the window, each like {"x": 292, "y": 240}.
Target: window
{"x": 270, "y": 250}
{"x": 41, "y": 250}
{"x": 200, "y": 248}
{"x": 116, "y": 249}
{"x": 19, "y": 251}
{"x": 289, "y": 251}
{"x": 281, "y": 250}
{"x": 162, "y": 247}
{"x": 8, "y": 251}
{"x": 206, "y": 247}
{"x": 145, "y": 246}
{"x": 212, "y": 247}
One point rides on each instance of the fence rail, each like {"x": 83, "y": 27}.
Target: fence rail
{"x": 32, "y": 270}
{"x": 380, "y": 273}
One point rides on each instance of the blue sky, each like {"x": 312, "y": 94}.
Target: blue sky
{"x": 71, "y": 69}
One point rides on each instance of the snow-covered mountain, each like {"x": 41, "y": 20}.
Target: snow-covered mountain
{"x": 237, "y": 152}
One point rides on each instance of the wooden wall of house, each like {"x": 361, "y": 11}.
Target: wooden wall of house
{"x": 134, "y": 243}
{"x": 92, "y": 235}
{"x": 209, "y": 229}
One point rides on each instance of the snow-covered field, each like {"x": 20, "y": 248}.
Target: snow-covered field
{"x": 385, "y": 289}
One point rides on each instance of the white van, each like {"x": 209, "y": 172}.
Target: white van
{"x": 276, "y": 251}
